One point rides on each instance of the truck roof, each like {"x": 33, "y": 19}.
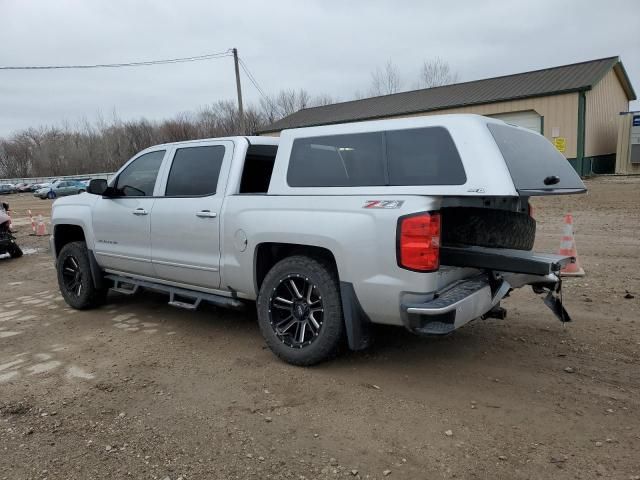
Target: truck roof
{"x": 447, "y": 120}
{"x": 499, "y": 159}
{"x": 252, "y": 139}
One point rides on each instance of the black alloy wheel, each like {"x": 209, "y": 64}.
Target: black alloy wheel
{"x": 75, "y": 278}
{"x": 72, "y": 275}
{"x": 300, "y": 310}
{"x": 296, "y": 311}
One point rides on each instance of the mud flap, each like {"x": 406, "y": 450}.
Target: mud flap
{"x": 357, "y": 324}
{"x": 553, "y": 300}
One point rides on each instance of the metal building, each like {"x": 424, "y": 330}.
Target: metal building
{"x": 575, "y": 106}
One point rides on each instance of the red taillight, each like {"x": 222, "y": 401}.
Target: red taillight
{"x": 419, "y": 242}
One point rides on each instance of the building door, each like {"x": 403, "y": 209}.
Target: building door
{"x": 528, "y": 119}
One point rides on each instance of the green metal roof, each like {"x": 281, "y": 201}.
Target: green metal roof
{"x": 549, "y": 81}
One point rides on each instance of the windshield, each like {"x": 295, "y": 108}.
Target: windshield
{"x": 535, "y": 165}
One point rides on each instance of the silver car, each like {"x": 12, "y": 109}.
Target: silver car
{"x": 60, "y": 188}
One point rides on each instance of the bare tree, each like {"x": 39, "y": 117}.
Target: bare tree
{"x": 287, "y": 102}
{"x": 385, "y": 81}
{"x": 104, "y": 145}
{"x": 322, "y": 100}
{"x": 435, "y": 73}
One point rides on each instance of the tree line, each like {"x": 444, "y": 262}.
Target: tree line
{"x": 104, "y": 145}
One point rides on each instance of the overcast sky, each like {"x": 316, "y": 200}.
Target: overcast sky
{"x": 322, "y": 46}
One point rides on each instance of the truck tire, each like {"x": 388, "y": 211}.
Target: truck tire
{"x": 487, "y": 228}
{"x": 300, "y": 311}
{"x": 75, "y": 280}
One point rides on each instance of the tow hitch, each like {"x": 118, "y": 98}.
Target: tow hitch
{"x": 553, "y": 300}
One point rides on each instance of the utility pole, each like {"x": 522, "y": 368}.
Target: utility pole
{"x": 239, "y": 89}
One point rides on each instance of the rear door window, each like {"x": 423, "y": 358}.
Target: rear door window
{"x": 421, "y": 156}
{"x": 534, "y": 163}
{"x": 195, "y": 171}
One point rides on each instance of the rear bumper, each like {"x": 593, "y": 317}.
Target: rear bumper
{"x": 456, "y": 305}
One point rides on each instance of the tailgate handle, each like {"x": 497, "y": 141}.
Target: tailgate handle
{"x": 552, "y": 180}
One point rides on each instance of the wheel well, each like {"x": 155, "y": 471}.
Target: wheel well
{"x": 268, "y": 254}
{"x": 64, "y": 234}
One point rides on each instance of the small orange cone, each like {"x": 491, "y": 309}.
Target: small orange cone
{"x": 41, "y": 230}
{"x": 33, "y": 222}
{"x": 568, "y": 248}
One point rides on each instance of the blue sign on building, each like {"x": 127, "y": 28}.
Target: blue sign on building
{"x": 636, "y": 120}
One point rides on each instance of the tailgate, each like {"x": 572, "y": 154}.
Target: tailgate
{"x": 504, "y": 260}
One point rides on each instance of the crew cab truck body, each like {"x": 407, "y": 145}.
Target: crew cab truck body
{"x": 420, "y": 222}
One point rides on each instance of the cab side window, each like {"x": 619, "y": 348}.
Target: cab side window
{"x": 195, "y": 171}
{"x": 139, "y": 178}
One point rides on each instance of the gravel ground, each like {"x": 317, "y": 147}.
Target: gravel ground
{"x": 138, "y": 389}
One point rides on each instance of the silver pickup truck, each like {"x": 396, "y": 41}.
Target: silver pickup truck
{"x": 420, "y": 222}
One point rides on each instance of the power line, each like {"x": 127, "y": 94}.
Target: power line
{"x": 208, "y": 56}
{"x": 252, "y": 79}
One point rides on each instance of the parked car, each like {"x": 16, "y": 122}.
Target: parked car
{"x": 24, "y": 187}
{"x": 38, "y": 186}
{"x": 61, "y": 188}
{"x": 7, "y": 188}
{"x": 420, "y": 222}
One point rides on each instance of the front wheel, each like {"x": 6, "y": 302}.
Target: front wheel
{"x": 51, "y": 195}
{"x": 300, "y": 311}
{"x": 74, "y": 277}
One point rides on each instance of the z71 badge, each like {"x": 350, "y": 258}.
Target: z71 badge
{"x": 383, "y": 203}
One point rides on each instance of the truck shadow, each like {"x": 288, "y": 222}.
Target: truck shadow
{"x": 392, "y": 347}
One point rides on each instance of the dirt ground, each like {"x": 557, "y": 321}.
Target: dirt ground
{"x": 138, "y": 389}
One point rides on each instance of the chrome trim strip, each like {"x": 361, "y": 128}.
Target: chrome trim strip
{"x": 185, "y": 265}
{"x": 125, "y": 257}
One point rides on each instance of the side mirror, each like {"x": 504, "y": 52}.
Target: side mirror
{"x": 97, "y": 186}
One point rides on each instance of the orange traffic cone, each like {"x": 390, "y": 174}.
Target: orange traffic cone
{"x": 568, "y": 248}
{"x": 33, "y": 222}
{"x": 41, "y": 230}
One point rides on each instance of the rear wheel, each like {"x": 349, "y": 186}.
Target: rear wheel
{"x": 300, "y": 311}
{"x": 74, "y": 277}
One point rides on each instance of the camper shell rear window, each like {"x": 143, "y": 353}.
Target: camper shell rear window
{"x": 420, "y": 156}
{"x": 535, "y": 165}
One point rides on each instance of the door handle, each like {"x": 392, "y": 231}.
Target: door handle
{"x": 140, "y": 211}
{"x": 206, "y": 214}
